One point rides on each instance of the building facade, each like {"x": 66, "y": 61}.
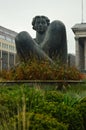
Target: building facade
{"x": 71, "y": 59}
{"x": 7, "y": 48}
{"x": 80, "y": 41}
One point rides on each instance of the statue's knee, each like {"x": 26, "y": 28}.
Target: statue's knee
{"x": 56, "y": 26}
{"x": 24, "y": 40}
{"x": 22, "y": 36}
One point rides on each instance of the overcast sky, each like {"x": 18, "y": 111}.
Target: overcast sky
{"x": 17, "y": 15}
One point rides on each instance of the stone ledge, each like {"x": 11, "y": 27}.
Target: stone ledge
{"x": 42, "y": 81}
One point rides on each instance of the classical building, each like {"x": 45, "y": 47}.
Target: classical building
{"x": 7, "y": 48}
{"x": 80, "y": 41}
{"x": 71, "y": 59}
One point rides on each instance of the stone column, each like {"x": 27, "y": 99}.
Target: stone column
{"x": 8, "y": 61}
{"x": 81, "y": 54}
{"x": 85, "y": 54}
{"x": 77, "y": 60}
{"x": 1, "y": 56}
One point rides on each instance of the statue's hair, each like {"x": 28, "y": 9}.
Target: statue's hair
{"x": 36, "y": 17}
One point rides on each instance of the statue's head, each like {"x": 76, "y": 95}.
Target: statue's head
{"x": 40, "y": 23}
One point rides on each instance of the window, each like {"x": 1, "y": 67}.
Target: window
{"x": 8, "y": 38}
{"x": 12, "y": 48}
{"x": 5, "y": 46}
{"x": 13, "y": 41}
{"x": 2, "y": 37}
{"x": 0, "y": 44}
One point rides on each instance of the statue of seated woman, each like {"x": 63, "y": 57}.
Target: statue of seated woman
{"x": 50, "y": 42}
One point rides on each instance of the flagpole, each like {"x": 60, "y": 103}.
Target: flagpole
{"x": 82, "y": 11}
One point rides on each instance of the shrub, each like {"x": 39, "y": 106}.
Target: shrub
{"x": 71, "y": 99}
{"x": 4, "y": 114}
{"x": 34, "y": 97}
{"x": 62, "y": 113}
{"x": 81, "y": 107}
{"x": 54, "y": 96}
{"x": 83, "y": 100}
{"x": 41, "y": 70}
{"x": 44, "y": 122}
{"x": 69, "y": 116}
{"x": 46, "y": 105}
{"x": 36, "y": 121}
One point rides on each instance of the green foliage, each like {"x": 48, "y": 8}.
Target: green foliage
{"x": 79, "y": 88}
{"x": 37, "y": 121}
{"x": 4, "y": 115}
{"x": 23, "y": 106}
{"x": 81, "y": 107}
{"x": 62, "y": 113}
{"x": 83, "y": 100}
{"x": 45, "y": 122}
{"x": 71, "y": 99}
{"x": 69, "y": 116}
{"x": 75, "y": 94}
{"x": 33, "y": 97}
{"x": 54, "y": 96}
{"x": 12, "y": 98}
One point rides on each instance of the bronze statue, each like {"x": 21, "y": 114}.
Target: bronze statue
{"x": 50, "y": 42}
